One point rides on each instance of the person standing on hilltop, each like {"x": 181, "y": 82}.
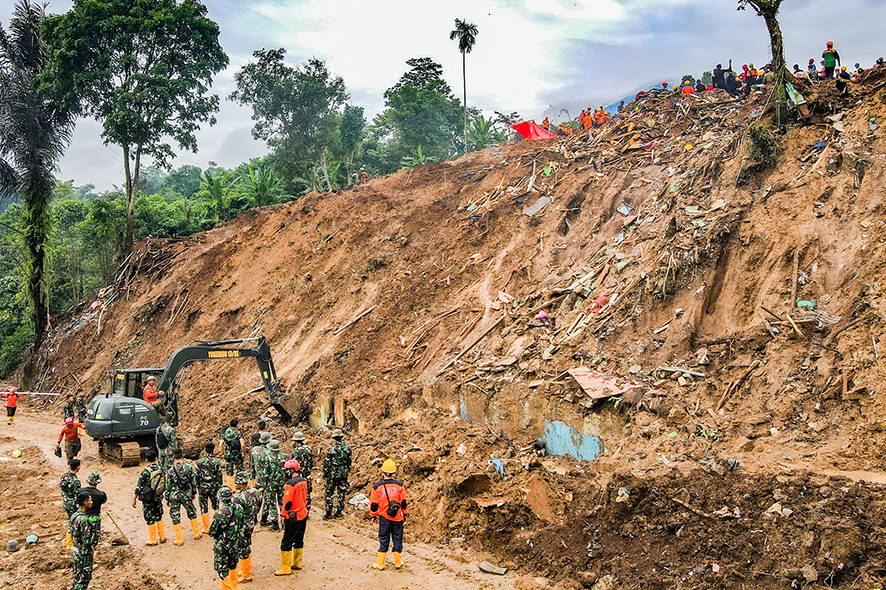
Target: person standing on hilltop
{"x": 209, "y": 481}
{"x": 388, "y": 504}
{"x": 167, "y": 443}
{"x": 336, "y": 468}
{"x": 69, "y": 484}
{"x": 234, "y": 450}
{"x": 831, "y": 60}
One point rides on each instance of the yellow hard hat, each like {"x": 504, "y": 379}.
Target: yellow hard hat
{"x": 389, "y": 466}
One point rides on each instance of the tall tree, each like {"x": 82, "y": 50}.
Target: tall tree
{"x": 294, "y": 109}
{"x": 34, "y": 132}
{"x": 466, "y": 33}
{"x": 768, "y": 9}
{"x": 144, "y": 69}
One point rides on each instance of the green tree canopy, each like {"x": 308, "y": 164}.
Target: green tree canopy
{"x": 294, "y": 109}
{"x": 144, "y": 69}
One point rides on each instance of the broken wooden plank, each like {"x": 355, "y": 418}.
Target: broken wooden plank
{"x": 735, "y": 385}
{"x": 353, "y": 321}
{"x": 476, "y": 340}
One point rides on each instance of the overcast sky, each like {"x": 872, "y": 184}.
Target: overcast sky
{"x": 530, "y": 55}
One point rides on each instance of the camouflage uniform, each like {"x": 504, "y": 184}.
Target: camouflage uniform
{"x": 249, "y": 501}
{"x": 165, "y": 455}
{"x": 181, "y": 487}
{"x": 85, "y": 534}
{"x": 70, "y": 486}
{"x": 209, "y": 481}
{"x": 80, "y": 408}
{"x": 336, "y": 467}
{"x": 68, "y": 410}
{"x": 255, "y": 467}
{"x": 226, "y": 530}
{"x": 274, "y": 480}
{"x": 305, "y": 457}
{"x": 152, "y": 511}
{"x": 233, "y": 451}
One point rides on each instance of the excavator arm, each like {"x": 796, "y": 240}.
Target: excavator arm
{"x": 256, "y": 348}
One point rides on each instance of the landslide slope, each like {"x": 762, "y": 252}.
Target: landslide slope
{"x": 664, "y": 244}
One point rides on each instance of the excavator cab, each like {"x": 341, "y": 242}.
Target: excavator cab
{"x": 131, "y": 382}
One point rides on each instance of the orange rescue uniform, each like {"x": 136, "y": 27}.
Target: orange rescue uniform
{"x": 70, "y": 432}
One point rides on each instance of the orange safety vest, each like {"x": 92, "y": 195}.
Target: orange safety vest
{"x": 11, "y": 398}
{"x": 295, "y": 498}
{"x": 383, "y": 493}
{"x": 150, "y": 394}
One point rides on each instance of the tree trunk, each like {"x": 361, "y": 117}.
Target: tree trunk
{"x": 130, "y": 209}
{"x": 36, "y": 238}
{"x": 325, "y": 170}
{"x": 464, "y": 82}
{"x": 779, "y": 68}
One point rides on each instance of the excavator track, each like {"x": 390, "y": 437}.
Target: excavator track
{"x": 126, "y": 454}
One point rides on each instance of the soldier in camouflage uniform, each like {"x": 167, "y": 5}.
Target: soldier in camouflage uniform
{"x": 209, "y": 480}
{"x": 152, "y": 503}
{"x": 336, "y": 467}
{"x": 80, "y": 407}
{"x": 305, "y": 457}
{"x": 256, "y": 455}
{"x": 233, "y": 448}
{"x": 181, "y": 487}
{"x": 226, "y": 530}
{"x": 274, "y": 480}
{"x": 249, "y": 500}
{"x": 85, "y": 533}
{"x": 165, "y": 454}
{"x": 68, "y": 409}
{"x": 70, "y": 486}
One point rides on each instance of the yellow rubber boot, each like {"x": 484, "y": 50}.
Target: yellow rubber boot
{"x": 195, "y": 526}
{"x": 296, "y": 558}
{"x": 152, "y": 535}
{"x": 225, "y": 585}
{"x": 206, "y": 522}
{"x": 232, "y": 579}
{"x": 380, "y": 562}
{"x": 398, "y": 560}
{"x": 161, "y": 531}
{"x": 178, "y": 534}
{"x": 68, "y": 541}
{"x": 285, "y": 564}
{"x": 245, "y": 570}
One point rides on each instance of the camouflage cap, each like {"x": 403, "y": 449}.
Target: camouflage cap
{"x": 274, "y": 445}
{"x": 337, "y": 433}
{"x": 265, "y": 437}
{"x": 241, "y": 478}
{"x": 94, "y": 478}
{"x": 225, "y": 494}
{"x": 298, "y": 436}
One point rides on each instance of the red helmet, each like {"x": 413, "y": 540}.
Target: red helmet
{"x": 292, "y": 464}
{"x": 13, "y": 389}
{"x": 69, "y": 421}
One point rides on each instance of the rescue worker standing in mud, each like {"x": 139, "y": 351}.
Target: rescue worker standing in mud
{"x": 11, "y": 404}
{"x": 249, "y": 501}
{"x": 387, "y": 501}
{"x": 336, "y": 467}
{"x": 85, "y": 534}
{"x": 209, "y": 481}
{"x": 98, "y": 497}
{"x": 167, "y": 443}
{"x": 68, "y": 410}
{"x": 225, "y": 529}
{"x": 70, "y": 487}
{"x": 149, "y": 489}
{"x": 273, "y": 479}
{"x": 181, "y": 487}
{"x": 234, "y": 449}
{"x": 305, "y": 457}
{"x": 80, "y": 407}
{"x": 256, "y": 455}
{"x": 294, "y": 512}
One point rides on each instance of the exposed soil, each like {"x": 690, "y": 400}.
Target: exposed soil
{"x": 697, "y": 273}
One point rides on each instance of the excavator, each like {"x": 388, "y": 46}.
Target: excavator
{"x": 123, "y": 422}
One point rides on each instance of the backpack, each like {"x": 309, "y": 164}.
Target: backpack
{"x": 162, "y": 441}
{"x": 156, "y": 486}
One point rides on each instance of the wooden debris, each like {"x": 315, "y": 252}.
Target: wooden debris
{"x": 353, "y": 321}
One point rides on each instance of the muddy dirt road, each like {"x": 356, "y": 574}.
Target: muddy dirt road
{"x": 337, "y": 553}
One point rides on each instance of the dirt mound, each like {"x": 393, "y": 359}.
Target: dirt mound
{"x": 700, "y": 308}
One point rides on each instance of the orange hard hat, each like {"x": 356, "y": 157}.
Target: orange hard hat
{"x": 830, "y": 43}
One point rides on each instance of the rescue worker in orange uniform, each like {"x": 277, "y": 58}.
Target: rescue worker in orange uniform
{"x": 71, "y": 434}
{"x": 388, "y": 502}
{"x": 569, "y": 131}
{"x": 152, "y": 396}
{"x": 546, "y": 124}
{"x": 11, "y": 403}
{"x": 294, "y": 511}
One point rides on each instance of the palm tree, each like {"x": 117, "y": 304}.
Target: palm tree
{"x": 466, "y": 33}
{"x": 33, "y": 136}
